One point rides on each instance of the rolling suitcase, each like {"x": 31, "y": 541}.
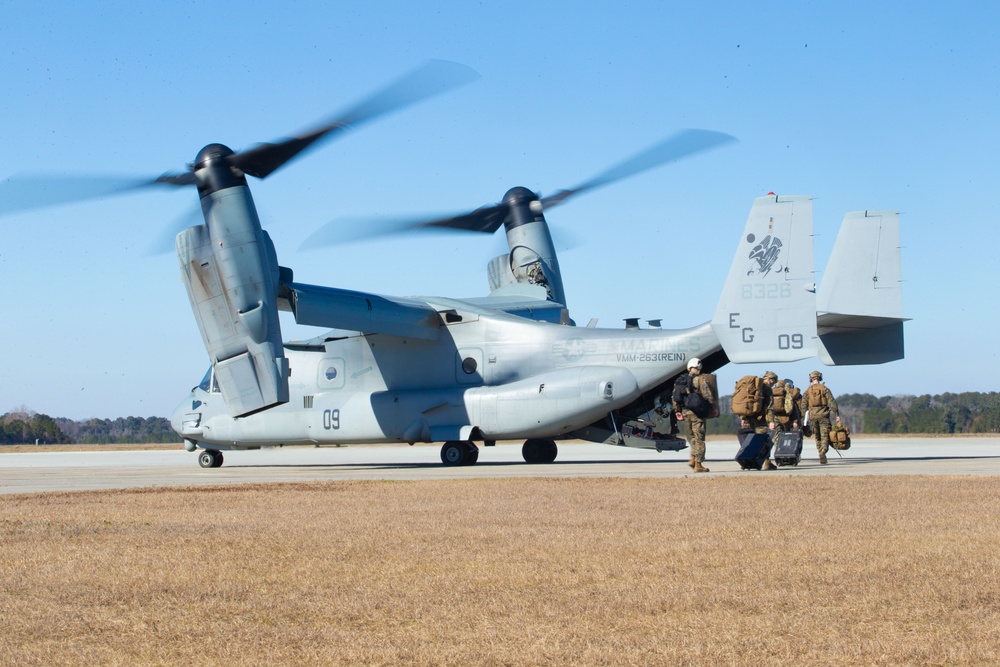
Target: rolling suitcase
{"x": 788, "y": 448}
{"x": 754, "y": 451}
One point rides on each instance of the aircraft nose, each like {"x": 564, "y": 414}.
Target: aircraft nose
{"x": 186, "y": 418}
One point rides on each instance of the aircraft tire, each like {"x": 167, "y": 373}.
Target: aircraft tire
{"x": 210, "y": 458}
{"x": 205, "y": 459}
{"x": 539, "y": 450}
{"x": 551, "y": 451}
{"x": 455, "y": 453}
{"x": 473, "y": 454}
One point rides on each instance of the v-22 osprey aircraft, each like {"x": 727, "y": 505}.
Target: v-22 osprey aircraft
{"x": 511, "y": 365}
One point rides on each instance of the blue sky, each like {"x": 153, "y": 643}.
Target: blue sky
{"x": 860, "y": 105}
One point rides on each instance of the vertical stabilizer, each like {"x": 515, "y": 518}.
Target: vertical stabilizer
{"x": 863, "y": 276}
{"x": 767, "y": 311}
{"x": 860, "y": 300}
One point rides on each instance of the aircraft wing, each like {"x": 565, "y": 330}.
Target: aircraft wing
{"x": 346, "y": 310}
{"x": 528, "y": 301}
{"x": 360, "y": 311}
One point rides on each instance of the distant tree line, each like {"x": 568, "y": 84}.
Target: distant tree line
{"x": 969, "y": 412}
{"x": 24, "y": 426}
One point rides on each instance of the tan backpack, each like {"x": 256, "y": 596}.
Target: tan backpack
{"x": 816, "y": 396}
{"x": 792, "y": 399}
{"x": 778, "y": 392}
{"x": 748, "y": 396}
{"x": 708, "y": 380}
{"x": 840, "y": 437}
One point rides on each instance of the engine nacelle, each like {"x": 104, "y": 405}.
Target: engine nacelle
{"x": 532, "y": 257}
{"x": 230, "y": 269}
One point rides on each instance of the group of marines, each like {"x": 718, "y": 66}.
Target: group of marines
{"x": 784, "y": 408}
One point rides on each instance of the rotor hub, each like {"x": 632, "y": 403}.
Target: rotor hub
{"x": 519, "y": 195}
{"x": 212, "y": 154}
{"x": 213, "y": 170}
{"x": 522, "y": 207}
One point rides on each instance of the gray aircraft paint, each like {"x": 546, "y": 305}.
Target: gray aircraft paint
{"x": 768, "y": 310}
{"x": 475, "y": 371}
{"x": 860, "y": 299}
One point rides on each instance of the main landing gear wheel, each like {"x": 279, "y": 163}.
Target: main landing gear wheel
{"x": 539, "y": 450}
{"x": 210, "y": 458}
{"x": 459, "y": 453}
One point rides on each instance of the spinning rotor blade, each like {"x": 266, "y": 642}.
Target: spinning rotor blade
{"x": 490, "y": 218}
{"x": 428, "y": 80}
{"x": 25, "y": 191}
{"x": 487, "y": 219}
{"x": 347, "y": 230}
{"x": 682, "y": 144}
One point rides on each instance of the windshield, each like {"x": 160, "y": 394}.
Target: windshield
{"x": 208, "y": 382}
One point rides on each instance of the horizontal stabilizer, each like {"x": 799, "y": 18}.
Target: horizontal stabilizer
{"x": 767, "y": 311}
{"x": 856, "y": 346}
{"x": 860, "y": 300}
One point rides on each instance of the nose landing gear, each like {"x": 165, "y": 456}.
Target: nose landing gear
{"x": 210, "y": 458}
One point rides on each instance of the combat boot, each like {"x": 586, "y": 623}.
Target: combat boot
{"x": 768, "y": 465}
{"x": 698, "y": 467}
{"x": 822, "y": 459}
{"x": 691, "y": 461}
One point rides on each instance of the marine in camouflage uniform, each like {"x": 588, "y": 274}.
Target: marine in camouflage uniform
{"x": 786, "y": 409}
{"x": 694, "y": 425}
{"x": 792, "y": 396}
{"x": 763, "y": 422}
{"x": 818, "y": 405}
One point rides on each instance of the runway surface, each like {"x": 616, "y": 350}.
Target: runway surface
{"x": 77, "y": 471}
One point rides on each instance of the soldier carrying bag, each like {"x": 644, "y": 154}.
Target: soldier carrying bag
{"x": 697, "y": 404}
{"x": 840, "y": 437}
{"x": 748, "y": 397}
{"x": 779, "y": 391}
{"x": 694, "y": 401}
{"x": 816, "y": 396}
{"x": 792, "y": 398}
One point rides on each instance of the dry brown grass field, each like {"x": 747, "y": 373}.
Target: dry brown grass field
{"x": 738, "y": 571}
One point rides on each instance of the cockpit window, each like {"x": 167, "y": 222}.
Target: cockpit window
{"x": 208, "y": 382}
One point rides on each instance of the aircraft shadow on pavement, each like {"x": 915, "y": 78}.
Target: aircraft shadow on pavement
{"x": 872, "y": 459}
{"x": 422, "y": 465}
{"x": 418, "y": 465}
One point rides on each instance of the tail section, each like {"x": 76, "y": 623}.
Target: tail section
{"x": 860, "y": 301}
{"x": 767, "y": 311}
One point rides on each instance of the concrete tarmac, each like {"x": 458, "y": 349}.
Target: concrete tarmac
{"x": 33, "y": 472}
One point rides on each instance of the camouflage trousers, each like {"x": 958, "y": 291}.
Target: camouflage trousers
{"x": 782, "y": 427}
{"x": 821, "y": 430}
{"x": 695, "y": 426}
{"x": 758, "y": 424}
